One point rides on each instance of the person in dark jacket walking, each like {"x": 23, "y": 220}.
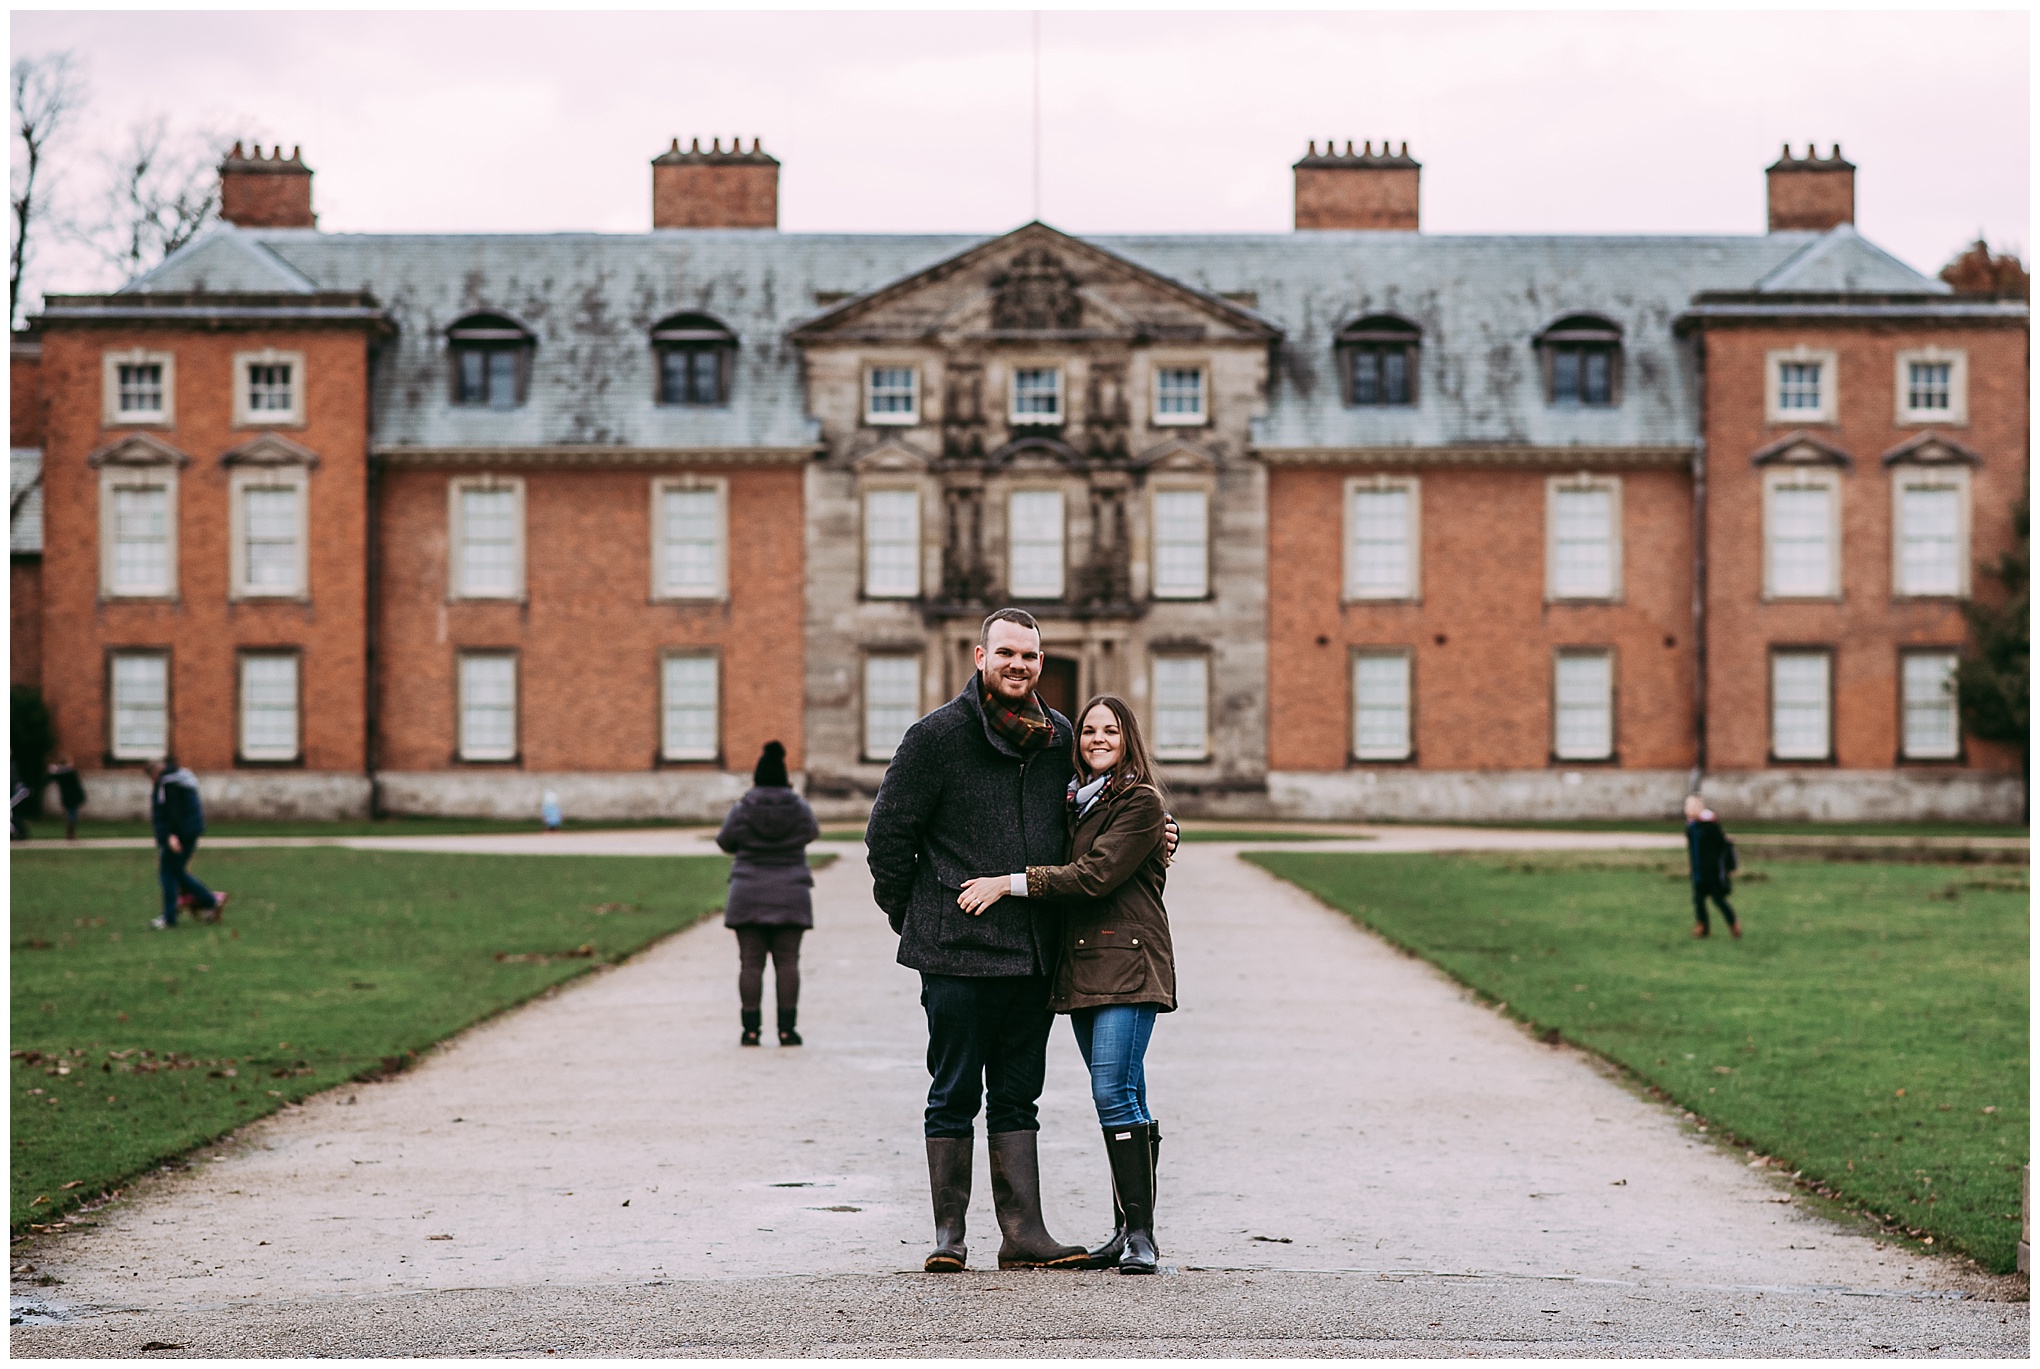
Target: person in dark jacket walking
{"x": 977, "y": 787}
{"x": 1707, "y": 864}
{"x": 70, "y": 793}
{"x": 1115, "y": 966}
{"x": 769, "y": 903}
{"x": 179, "y": 819}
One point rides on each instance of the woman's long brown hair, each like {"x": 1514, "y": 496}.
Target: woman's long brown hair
{"x": 1134, "y": 766}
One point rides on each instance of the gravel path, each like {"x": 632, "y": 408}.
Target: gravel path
{"x": 1360, "y": 1160}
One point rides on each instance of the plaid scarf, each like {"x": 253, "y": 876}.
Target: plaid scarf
{"x": 1025, "y": 728}
{"x": 1082, "y": 797}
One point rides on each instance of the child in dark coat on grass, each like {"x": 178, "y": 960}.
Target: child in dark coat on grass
{"x": 1709, "y": 863}
{"x": 769, "y": 904}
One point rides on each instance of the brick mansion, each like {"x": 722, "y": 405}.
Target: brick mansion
{"x": 1367, "y": 522}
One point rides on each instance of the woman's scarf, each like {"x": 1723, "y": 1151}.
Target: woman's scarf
{"x": 1026, "y": 727}
{"x": 1082, "y": 796}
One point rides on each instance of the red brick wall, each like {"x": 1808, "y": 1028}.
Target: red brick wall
{"x": 1481, "y": 700}
{"x": 25, "y": 400}
{"x": 589, "y": 638}
{"x": 201, "y": 627}
{"x": 1869, "y": 625}
{"x": 1372, "y": 198}
{"x": 732, "y": 195}
{"x": 24, "y": 602}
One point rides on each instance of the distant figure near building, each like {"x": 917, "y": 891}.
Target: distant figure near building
{"x": 179, "y": 820}
{"x": 769, "y": 904}
{"x": 1710, "y": 861}
{"x": 70, "y": 793}
{"x": 549, "y": 812}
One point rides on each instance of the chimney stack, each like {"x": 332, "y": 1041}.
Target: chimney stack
{"x": 1810, "y": 193}
{"x": 1364, "y": 189}
{"x": 716, "y": 188}
{"x": 266, "y": 192}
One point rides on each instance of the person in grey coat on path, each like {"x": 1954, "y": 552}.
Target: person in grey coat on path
{"x": 769, "y": 903}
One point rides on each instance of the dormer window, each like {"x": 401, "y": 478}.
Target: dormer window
{"x": 1038, "y": 396}
{"x": 491, "y": 361}
{"x": 1582, "y": 362}
{"x": 1380, "y": 361}
{"x": 694, "y": 354}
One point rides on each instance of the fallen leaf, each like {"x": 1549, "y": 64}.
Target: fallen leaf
{"x": 160, "y": 1345}
{"x": 1899, "y": 1094}
{"x": 1274, "y": 1240}
{"x": 447, "y": 1237}
{"x": 73, "y": 1184}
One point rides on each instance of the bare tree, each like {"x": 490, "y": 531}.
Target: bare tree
{"x": 162, "y": 188}
{"x": 46, "y": 92}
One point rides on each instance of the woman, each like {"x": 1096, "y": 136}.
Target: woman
{"x": 768, "y": 832}
{"x": 1116, "y": 969}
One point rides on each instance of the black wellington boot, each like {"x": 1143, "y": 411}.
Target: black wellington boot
{"x": 1106, "y": 1256}
{"x": 1133, "y": 1174}
{"x": 787, "y": 1035}
{"x": 949, "y": 1185}
{"x": 1016, "y": 1193}
{"x": 753, "y": 1019}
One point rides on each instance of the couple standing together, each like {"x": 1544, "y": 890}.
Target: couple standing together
{"x": 1021, "y": 860}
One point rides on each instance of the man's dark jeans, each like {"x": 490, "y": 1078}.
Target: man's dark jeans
{"x": 987, "y": 1042}
{"x": 173, "y": 874}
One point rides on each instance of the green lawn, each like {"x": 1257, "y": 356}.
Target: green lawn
{"x": 1870, "y": 1029}
{"x": 132, "y": 1045}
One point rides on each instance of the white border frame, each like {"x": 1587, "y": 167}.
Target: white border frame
{"x": 1905, "y": 653}
{"x": 1772, "y": 754}
{"x": 113, "y": 709}
{"x": 293, "y": 417}
{"x": 874, "y": 419}
{"x": 1412, "y": 591}
{"x": 894, "y": 485}
{"x": 1408, "y": 656}
{"x": 109, "y": 378}
{"x": 1013, "y": 591}
{"x": 1606, "y": 653}
{"x": 238, "y": 483}
{"x": 660, "y": 487}
{"x": 1016, "y": 419}
{"x": 456, "y": 538}
{"x": 112, "y": 478}
{"x": 667, "y": 751}
{"x": 1584, "y": 481}
{"x": 1179, "y": 755}
{"x": 297, "y": 750}
{"x": 1177, "y": 485}
{"x": 1956, "y": 415}
{"x": 1158, "y": 419}
{"x": 865, "y": 659}
{"x": 1830, "y": 386}
{"x": 1905, "y": 476}
{"x": 460, "y": 660}
{"x": 1824, "y": 477}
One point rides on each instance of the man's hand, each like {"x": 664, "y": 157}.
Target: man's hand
{"x": 981, "y": 894}
{"x": 174, "y": 844}
{"x": 1170, "y": 836}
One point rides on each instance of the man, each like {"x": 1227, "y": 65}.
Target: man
{"x": 70, "y": 793}
{"x": 977, "y": 787}
{"x": 179, "y": 820}
{"x": 1709, "y": 862}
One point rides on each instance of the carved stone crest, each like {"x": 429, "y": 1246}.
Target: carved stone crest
{"x": 1036, "y": 294}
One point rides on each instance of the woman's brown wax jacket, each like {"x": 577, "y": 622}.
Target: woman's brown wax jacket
{"x": 1114, "y": 946}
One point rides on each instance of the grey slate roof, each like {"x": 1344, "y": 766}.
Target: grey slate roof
{"x": 24, "y": 501}
{"x": 592, "y": 299}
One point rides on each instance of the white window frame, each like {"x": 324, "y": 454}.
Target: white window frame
{"x": 1039, "y": 592}
{"x": 1827, "y": 751}
{"x": 112, "y": 479}
{"x": 872, "y": 589}
{"x": 1162, "y": 752}
{"x": 870, "y": 747}
{"x": 906, "y": 418}
{"x": 1554, "y": 488}
{"x": 1905, "y": 477}
{"x": 1407, "y": 747}
{"x": 669, "y": 749}
{"x": 456, "y": 539}
{"x": 113, "y": 743}
{"x": 247, "y": 417}
{"x": 267, "y": 477}
{"x": 462, "y": 749}
{"x": 1956, "y": 415}
{"x": 110, "y": 364}
{"x": 1036, "y": 420}
{"x": 1823, "y": 478}
{"x": 245, "y": 752}
{"x": 1198, "y": 419}
{"x": 1830, "y": 385}
{"x": 1905, "y": 704}
{"x": 1156, "y": 589}
{"x": 1559, "y": 750}
{"x": 1411, "y": 590}
{"x": 675, "y": 484}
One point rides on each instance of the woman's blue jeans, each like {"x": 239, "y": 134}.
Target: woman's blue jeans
{"x": 1114, "y": 1042}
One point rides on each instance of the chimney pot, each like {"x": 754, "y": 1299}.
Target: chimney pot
{"x": 1359, "y": 191}
{"x": 266, "y": 192}
{"x": 715, "y": 189}
{"x": 1810, "y": 194}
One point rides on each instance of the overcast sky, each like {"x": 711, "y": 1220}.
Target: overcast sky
{"x": 1150, "y": 121}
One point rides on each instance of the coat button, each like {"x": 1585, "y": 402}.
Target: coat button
{"x": 1136, "y": 941}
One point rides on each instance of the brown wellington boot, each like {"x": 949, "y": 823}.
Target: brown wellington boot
{"x": 949, "y": 1185}
{"x": 1016, "y": 1193}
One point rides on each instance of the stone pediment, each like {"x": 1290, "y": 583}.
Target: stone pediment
{"x": 271, "y": 450}
{"x": 1802, "y": 449}
{"x": 1035, "y": 284}
{"x": 891, "y": 454}
{"x": 1931, "y": 449}
{"x": 138, "y": 449}
{"x": 1177, "y": 454}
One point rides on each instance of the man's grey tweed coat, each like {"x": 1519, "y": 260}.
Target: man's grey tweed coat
{"x": 958, "y": 802}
